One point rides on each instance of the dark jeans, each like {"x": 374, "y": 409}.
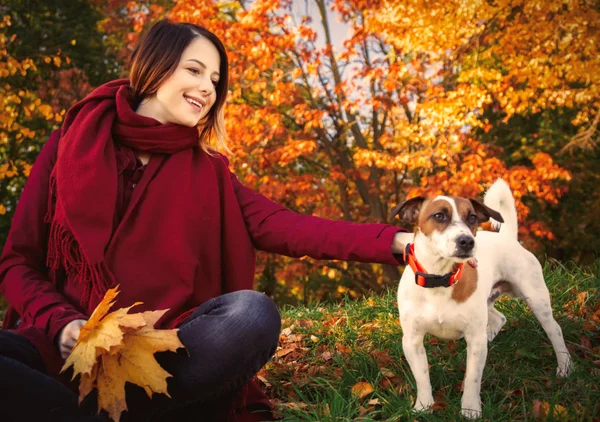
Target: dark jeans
{"x": 228, "y": 339}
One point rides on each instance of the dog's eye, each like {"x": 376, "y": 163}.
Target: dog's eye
{"x": 472, "y": 219}
{"x": 440, "y": 216}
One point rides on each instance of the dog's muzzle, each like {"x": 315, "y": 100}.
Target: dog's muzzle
{"x": 465, "y": 245}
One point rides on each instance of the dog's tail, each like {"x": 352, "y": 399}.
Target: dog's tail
{"x": 500, "y": 198}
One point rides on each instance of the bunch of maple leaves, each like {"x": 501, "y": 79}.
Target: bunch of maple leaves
{"x": 117, "y": 348}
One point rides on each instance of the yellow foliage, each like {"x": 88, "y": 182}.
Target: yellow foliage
{"x": 548, "y": 51}
{"x": 17, "y": 107}
{"x": 117, "y": 348}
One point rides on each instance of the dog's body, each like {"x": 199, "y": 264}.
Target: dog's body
{"x": 445, "y": 237}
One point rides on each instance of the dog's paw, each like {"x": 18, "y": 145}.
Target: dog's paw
{"x": 471, "y": 407}
{"x": 495, "y": 323}
{"x": 423, "y": 404}
{"x": 491, "y": 333}
{"x": 471, "y": 413}
{"x": 564, "y": 369}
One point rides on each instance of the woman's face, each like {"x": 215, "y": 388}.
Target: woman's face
{"x": 189, "y": 93}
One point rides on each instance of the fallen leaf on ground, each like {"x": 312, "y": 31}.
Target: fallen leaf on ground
{"x": 294, "y": 338}
{"x": 342, "y": 349}
{"x": 387, "y": 373}
{"x": 439, "y": 405}
{"x": 264, "y": 381}
{"x": 287, "y": 331}
{"x": 383, "y": 358}
{"x": 294, "y": 405}
{"x": 362, "y": 389}
{"x": 586, "y": 342}
{"x": 326, "y": 356}
{"x": 542, "y": 410}
{"x": 282, "y": 352}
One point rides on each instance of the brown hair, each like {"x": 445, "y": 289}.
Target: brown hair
{"x": 155, "y": 59}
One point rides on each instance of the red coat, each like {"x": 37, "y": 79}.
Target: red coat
{"x": 234, "y": 222}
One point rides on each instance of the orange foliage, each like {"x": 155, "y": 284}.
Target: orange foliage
{"x": 475, "y": 171}
{"x": 346, "y": 131}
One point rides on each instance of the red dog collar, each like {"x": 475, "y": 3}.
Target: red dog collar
{"x": 423, "y": 279}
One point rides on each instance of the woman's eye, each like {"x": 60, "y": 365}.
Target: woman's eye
{"x": 215, "y": 83}
{"x": 194, "y": 71}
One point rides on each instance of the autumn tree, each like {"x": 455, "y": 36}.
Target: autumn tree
{"x": 536, "y": 61}
{"x": 51, "y": 55}
{"x": 23, "y": 118}
{"x": 398, "y": 109}
{"x": 414, "y": 101}
{"x": 122, "y": 22}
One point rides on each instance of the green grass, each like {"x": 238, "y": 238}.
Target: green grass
{"x": 328, "y": 348}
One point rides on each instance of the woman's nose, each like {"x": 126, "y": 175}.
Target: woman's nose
{"x": 207, "y": 87}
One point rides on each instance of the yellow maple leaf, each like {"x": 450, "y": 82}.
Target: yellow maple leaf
{"x": 99, "y": 313}
{"x": 117, "y": 348}
{"x": 99, "y": 335}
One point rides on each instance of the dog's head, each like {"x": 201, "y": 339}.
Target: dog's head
{"x": 447, "y": 224}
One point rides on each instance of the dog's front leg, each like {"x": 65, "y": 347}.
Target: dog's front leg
{"x": 476, "y": 356}
{"x": 412, "y": 344}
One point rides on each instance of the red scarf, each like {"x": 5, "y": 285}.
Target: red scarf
{"x": 83, "y": 184}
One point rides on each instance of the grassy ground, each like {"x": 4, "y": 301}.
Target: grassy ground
{"x": 331, "y": 357}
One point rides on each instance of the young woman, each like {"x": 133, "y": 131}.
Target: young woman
{"x": 129, "y": 192}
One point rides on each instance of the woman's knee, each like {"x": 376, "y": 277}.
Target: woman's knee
{"x": 259, "y": 315}
{"x": 236, "y": 322}
{"x": 227, "y": 345}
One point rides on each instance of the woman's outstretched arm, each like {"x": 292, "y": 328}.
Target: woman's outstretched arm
{"x": 274, "y": 228}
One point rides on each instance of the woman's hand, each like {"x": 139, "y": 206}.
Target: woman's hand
{"x": 67, "y": 337}
{"x": 400, "y": 241}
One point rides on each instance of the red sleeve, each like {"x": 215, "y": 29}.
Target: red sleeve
{"x": 274, "y": 228}
{"x": 23, "y": 272}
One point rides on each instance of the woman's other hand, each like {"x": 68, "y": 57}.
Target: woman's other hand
{"x": 400, "y": 241}
{"x": 67, "y": 337}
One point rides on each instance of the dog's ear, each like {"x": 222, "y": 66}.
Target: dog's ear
{"x": 409, "y": 210}
{"x": 484, "y": 212}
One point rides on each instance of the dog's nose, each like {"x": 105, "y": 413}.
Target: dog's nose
{"x": 465, "y": 242}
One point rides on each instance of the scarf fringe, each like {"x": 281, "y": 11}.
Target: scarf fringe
{"x": 65, "y": 252}
{"x": 51, "y": 198}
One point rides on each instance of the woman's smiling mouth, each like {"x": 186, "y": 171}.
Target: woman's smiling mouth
{"x": 197, "y": 103}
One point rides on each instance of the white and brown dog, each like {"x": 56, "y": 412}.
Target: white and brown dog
{"x": 440, "y": 295}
